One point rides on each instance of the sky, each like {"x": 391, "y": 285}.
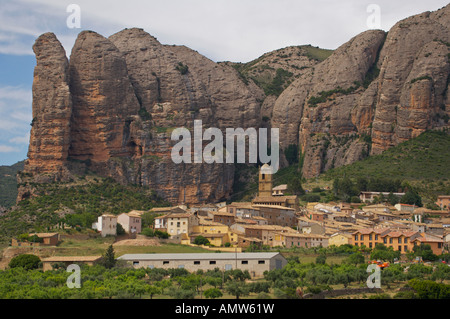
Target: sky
{"x": 222, "y": 30}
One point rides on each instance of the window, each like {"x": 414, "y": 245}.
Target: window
{"x": 261, "y": 262}
{"x": 370, "y": 245}
{"x": 385, "y": 240}
{"x": 212, "y": 262}
{"x": 356, "y": 237}
{"x": 370, "y": 237}
{"x": 356, "y": 244}
{"x": 151, "y": 266}
{"x": 399, "y": 240}
{"x": 178, "y": 224}
{"x": 391, "y": 240}
{"x": 362, "y": 237}
{"x": 228, "y": 267}
{"x": 135, "y": 263}
{"x": 181, "y": 266}
{"x": 165, "y": 262}
{"x": 399, "y": 248}
{"x": 376, "y": 237}
{"x": 406, "y": 248}
{"x": 197, "y": 262}
{"x": 405, "y": 240}
{"x": 244, "y": 262}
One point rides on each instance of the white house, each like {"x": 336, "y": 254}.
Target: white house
{"x": 106, "y": 225}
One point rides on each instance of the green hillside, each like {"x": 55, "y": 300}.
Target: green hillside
{"x": 423, "y": 161}
{"x": 8, "y": 184}
{"x": 79, "y": 202}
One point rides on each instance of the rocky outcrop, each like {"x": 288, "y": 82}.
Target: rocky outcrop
{"x": 112, "y": 109}
{"x": 52, "y": 107}
{"x": 375, "y": 91}
{"x": 127, "y": 94}
{"x": 414, "y": 69}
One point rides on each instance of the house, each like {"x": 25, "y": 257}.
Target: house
{"x": 161, "y": 223}
{"x": 222, "y": 217}
{"x": 255, "y": 263}
{"x": 106, "y": 225}
{"x": 443, "y": 201}
{"x": 369, "y": 197}
{"x": 434, "y": 229}
{"x": 308, "y": 227}
{"x": 368, "y": 237}
{"x": 278, "y": 215}
{"x": 405, "y": 207}
{"x": 181, "y": 223}
{"x": 47, "y": 263}
{"x": 46, "y": 239}
{"x": 402, "y": 241}
{"x": 385, "y": 216}
{"x": 435, "y": 242}
{"x": 131, "y": 222}
{"x": 242, "y": 209}
{"x": 264, "y": 232}
{"x": 291, "y": 240}
{"x": 218, "y": 234}
{"x": 339, "y": 239}
{"x": 317, "y": 216}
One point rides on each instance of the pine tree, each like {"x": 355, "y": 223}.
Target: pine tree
{"x": 109, "y": 259}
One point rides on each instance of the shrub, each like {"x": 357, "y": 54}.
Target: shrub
{"x": 212, "y": 293}
{"x": 25, "y": 261}
{"x": 200, "y": 240}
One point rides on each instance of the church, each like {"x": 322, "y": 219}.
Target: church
{"x": 266, "y": 196}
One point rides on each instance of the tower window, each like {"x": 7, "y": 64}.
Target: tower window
{"x": 263, "y": 176}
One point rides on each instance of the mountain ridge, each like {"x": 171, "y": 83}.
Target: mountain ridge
{"x": 373, "y": 92}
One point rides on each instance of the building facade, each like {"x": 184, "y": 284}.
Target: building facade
{"x": 255, "y": 263}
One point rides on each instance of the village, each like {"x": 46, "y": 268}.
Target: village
{"x": 271, "y": 220}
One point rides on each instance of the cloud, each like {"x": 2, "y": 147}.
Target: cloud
{"x": 21, "y": 139}
{"x": 8, "y": 149}
{"x": 233, "y": 30}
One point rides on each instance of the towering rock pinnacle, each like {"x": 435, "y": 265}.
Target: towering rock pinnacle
{"x": 52, "y": 108}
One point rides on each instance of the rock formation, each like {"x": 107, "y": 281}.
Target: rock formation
{"x": 112, "y": 108}
{"x": 372, "y": 93}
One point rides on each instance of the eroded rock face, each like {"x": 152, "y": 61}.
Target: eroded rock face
{"x": 413, "y": 77}
{"x": 342, "y": 110}
{"x": 315, "y": 111}
{"x": 52, "y": 107}
{"x": 127, "y": 94}
{"x": 112, "y": 109}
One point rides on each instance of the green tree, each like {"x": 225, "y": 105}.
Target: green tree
{"x": 427, "y": 289}
{"x": 321, "y": 259}
{"x": 109, "y": 259}
{"x": 119, "y": 229}
{"x": 25, "y": 261}
{"x": 411, "y": 198}
{"x": 212, "y": 293}
{"x": 355, "y": 259}
{"x": 200, "y": 240}
{"x": 237, "y": 288}
{"x": 153, "y": 290}
{"x": 295, "y": 186}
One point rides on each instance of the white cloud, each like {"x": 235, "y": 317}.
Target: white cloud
{"x": 221, "y": 29}
{"x": 8, "y": 149}
{"x": 16, "y": 93}
{"x": 21, "y": 139}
